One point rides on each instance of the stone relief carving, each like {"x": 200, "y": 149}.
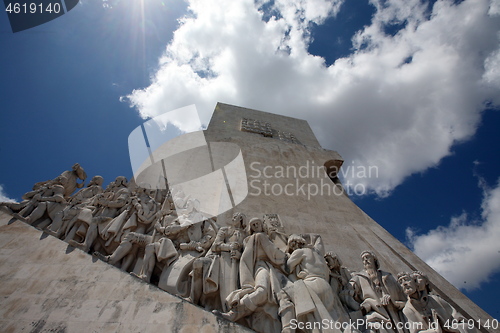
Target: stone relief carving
{"x": 426, "y": 312}
{"x": 339, "y": 282}
{"x": 309, "y": 297}
{"x": 379, "y": 295}
{"x": 76, "y": 209}
{"x": 47, "y": 202}
{"x": 71, "y": 176}
{"x": 215, "y": 276}
{"x": 262, "y": 275}
{"x": 251, "y": 272}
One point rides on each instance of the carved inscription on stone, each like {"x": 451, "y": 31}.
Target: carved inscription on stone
{"x": 287, "y": 137}
{"x": 265, "y": 129}
{"x": 256, "y": 126}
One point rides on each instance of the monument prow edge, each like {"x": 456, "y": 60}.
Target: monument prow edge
{"x": 49, "y": 286}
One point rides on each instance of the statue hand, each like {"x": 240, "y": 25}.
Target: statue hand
{"x": 366, "y": 307}
{"x": 235, "y": 254}
{"x": 386, "y": 299}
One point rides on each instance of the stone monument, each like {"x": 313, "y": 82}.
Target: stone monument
{"x": 249, "y": 222}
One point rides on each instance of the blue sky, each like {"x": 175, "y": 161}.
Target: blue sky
{"x": 412, "y": 87}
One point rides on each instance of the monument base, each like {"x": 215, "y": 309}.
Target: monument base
{"x": 48, "y": 286}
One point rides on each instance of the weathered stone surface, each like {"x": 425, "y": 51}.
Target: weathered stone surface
{"x": 48, "y": 286}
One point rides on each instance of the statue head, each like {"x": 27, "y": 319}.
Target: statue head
{"x": 79, "y": 171}
{"x": 177, "y": 192}
{"x": 193, "y": 205}
{"x": 370, "y": 260}
{"x": 422, "y": 281}
{"x": 96, "y": 180}
{"x": 239, "y": 220}
{"x": 333, "y": 260}
{"x": 407, "y": 282}
{"x": 120, "y": 181}
{"x": 295, "y": 242}
{"x": 256, "y": 225}
{"x": 143, "y": 187}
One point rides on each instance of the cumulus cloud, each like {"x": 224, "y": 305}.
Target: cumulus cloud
{"x": 466, "y": 252}
{"x": 398, "y": 102}
{"x": 4, "y": 197}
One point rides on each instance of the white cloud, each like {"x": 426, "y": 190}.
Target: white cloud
{"x": 375, "y": 107}
{"x": 4, "y": 197}
{"x": 465, "y": 252}
{"x": 495, "y": 7}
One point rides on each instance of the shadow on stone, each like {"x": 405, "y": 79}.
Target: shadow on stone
{"x": 69, "y": 249}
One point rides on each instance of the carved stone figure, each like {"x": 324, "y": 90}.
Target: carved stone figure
{"x": 379, "y": 294}
{"x": 72, "y": 177}
{"x": 142, "y": 212}
{"x": 129, "y": 229}
{"x": 193, "y": 235}
{"x": 162, "y": 247}
{"x": 428, "y": 313}
{"x": 339, "y": 281}
{"x": 423, "y": 285}
{"x": 262, "y": 266}
{"x": 80, "y": 201}
{"x": 215, "y": 276}
{"x": 159, "y": 248}
{"x": 310, "y": 292}
{"x": 51, "y": 202}
{"x": 25, "y": 207}
{"x": 109, "y": 205}
{"x": 179, "y": 198}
